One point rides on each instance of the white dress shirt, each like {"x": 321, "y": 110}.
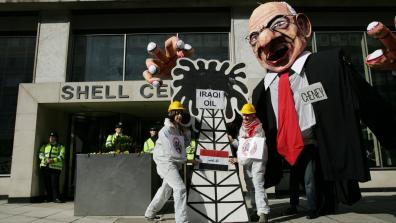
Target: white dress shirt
{"x": 298, "y": 80}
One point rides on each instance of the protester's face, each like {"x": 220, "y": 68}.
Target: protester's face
{"x": 179, "y": 116}
{"x": 118, "y": 130}
{"x": 153, "y": 133}
{"x": 274, "y": 36}
{"x": 52, "y": 139}
{"x": 248, "y": 117}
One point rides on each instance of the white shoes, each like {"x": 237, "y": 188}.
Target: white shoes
{"x": 263, "y": 218}
{"x": 154, "y": 218}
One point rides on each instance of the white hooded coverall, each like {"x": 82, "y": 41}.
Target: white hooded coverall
{"x": 170, "y": 154}
{"x": 254, "y": 171}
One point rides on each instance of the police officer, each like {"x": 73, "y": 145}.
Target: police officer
{"x": 150, "y": 142}
{"x": 118, "y": 132}
{"x": 52, "y": 157}
{"x": 190, "y": 150}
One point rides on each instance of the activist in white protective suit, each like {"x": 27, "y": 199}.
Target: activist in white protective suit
{"x": 253, "y": 155}
{"x": 170, "y": 154}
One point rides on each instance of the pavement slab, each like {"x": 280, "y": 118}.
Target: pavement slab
{"x": 373, "y": 208}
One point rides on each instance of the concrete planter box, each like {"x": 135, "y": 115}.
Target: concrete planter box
{"x": 121, "y": 185}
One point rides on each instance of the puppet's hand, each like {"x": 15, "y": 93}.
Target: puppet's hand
{"x": 162, "y": 64}
{"x": 233, "y": 160}
{"x": 383, "y": 59}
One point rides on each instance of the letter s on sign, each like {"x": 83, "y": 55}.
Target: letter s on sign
{"x": 67, "y": 92}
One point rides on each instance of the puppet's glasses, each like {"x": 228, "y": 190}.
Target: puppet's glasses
{"x": 278, "y": 23}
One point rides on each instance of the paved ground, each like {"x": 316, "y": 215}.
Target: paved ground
{"x": 373, "y": 208}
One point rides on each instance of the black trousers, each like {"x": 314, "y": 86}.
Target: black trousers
{"x": 304, "y": 171}
{"x": 331, "y": 193}
{"x": 324, "y": 196}
{"x": 51, "y": 182}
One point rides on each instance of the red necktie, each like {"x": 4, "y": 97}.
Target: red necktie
{"x": 289, "y": 139}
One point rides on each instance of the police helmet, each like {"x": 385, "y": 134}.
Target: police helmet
{"x": 54, "y": 134}
{"x": 119, "y": 125}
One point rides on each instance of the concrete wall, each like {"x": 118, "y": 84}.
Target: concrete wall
{"x": 4, "y": 185}
{"x": 23, "y": 154}
{"x": 381, "y": 179}
{"x": 241, "y": 50}
{"x": 52, "y": 47}
{"x": 122, "y": 191}
{"x": 92, "y": 4}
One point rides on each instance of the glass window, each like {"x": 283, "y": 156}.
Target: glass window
{"x": 385, "y": 83}
{"x": 206, "y": 45}
{"x": 16, "y": 66}
{"x": 136, "y": 53}
{"x": 101, "y": 57}
{"x": 350, "y": 42}
{"x": 98, "y": 58}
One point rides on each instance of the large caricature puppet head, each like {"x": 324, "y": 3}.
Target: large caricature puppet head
{"x": 278, "y": 35}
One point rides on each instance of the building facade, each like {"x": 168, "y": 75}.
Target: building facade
{"x": 76, "y": 67}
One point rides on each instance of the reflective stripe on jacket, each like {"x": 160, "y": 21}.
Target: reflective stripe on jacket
{"x": 110, "y": 139}
{"x": 55, "y": 152}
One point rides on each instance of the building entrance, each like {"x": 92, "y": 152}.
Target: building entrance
{"x": 89, "y": 131}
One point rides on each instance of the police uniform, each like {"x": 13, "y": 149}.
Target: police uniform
{"x": 149, "y": 144}
{"x": 51, "y": 163}
{"x": 112, "y": 137}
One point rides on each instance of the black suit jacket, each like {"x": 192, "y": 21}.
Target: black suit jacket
{"x": 338, "y": 131}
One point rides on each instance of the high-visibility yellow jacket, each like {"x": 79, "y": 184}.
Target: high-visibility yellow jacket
{"x": 148, "y": 145}
{"x": 110, "y": 139}
{"x": 55, "y": 152}
{"x": 190, "y": 150}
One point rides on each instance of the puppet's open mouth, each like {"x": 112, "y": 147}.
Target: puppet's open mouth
{"x": 278, "y": 54}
